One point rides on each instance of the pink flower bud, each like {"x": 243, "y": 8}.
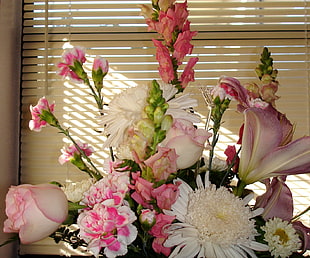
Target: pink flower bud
{"x": 69, "y": 152}
{"x": 101, "y": 63}
{"x": 147, "y": 219}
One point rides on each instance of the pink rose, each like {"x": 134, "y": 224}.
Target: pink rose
{"x": 163, "y": 163}
{"x": 187, "y": 141}
{"x": 166, "y": 195}
{"x": 34, "y": 211}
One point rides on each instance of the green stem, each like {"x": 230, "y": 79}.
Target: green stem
{"x": 238, "y": 191}
{"x": 95, "y": 174}
{"x": 96, "y": 95}
{"x": 300, "y": 214}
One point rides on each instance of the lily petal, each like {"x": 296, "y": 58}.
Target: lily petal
{"x": 291, "y": 159}
{"x": 262, "y": 155}
{"x": 262, "y": 133}
{"x": 277, "y": 201}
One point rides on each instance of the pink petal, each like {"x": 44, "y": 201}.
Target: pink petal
{"x": 293, "y": 158}
{"x": 51, "y": 201}
{"x": 262, "y": 133}
{"x": 277, "y": 201}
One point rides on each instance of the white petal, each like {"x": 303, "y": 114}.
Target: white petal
{"x": 190, "y": 250}
{"x": 257, "y": 212}
{"x": 248, "y": 198}
{"x": 257, "y": 246}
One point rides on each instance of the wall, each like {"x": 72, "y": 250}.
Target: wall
{"x": 10, "y": 24}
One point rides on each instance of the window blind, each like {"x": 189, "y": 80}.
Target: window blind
{"x": 231, "y": 36}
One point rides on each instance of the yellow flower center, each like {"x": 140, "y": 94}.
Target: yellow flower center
{"x": 282, "y": 234}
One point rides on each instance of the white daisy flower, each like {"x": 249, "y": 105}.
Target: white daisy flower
{"x": 281, "y": 237}
{"x": 213, "y": 223}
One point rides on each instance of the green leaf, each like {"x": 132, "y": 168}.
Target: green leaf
{"x": 75, "y": 206}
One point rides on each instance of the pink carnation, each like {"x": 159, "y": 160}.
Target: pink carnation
{"x": 68, "y": 152}
{"x": 70, "y": 56}
{"x": 101, "y": 63}
{"x": 110, "y": 190}
{"x": 109, "y": 228}
{"x": 36, "y": 123}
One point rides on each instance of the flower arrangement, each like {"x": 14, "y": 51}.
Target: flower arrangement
{"x": 164, "y": 192}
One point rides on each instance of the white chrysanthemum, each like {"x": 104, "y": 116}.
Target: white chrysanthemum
{"x": 74, "y": 191}
{"x": 179, "y": 105}
{"x": 124, "y": 110}
{"x": 281, "y": 237}
{"x": 127, "y": 108}
{"x": 214, "y": 223}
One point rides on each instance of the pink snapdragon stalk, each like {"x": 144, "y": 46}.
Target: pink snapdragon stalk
{"x": 170, "y": 20}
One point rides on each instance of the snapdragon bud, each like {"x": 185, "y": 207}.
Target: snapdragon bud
{"x": 166, "y": 123}
{"x": 146, "y": 127}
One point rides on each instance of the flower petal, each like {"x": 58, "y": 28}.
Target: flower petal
{"x": 293, "y": 158}
{"x": 51, "y": 201}
{"x": 262, "y": 133}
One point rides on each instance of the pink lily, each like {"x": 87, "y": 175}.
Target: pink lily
{"x": 304, "y": 233}
{"x": 277, "y": 201}
{"x": 263, "y": 154}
